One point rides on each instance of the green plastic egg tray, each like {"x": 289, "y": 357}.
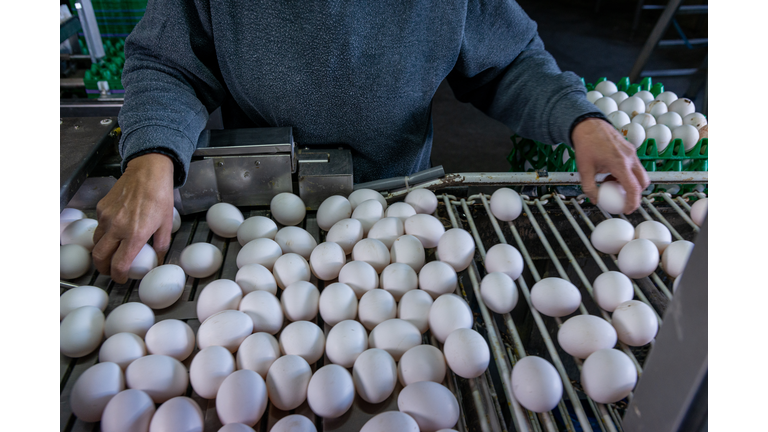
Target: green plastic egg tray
{"x": 109, "y": 70}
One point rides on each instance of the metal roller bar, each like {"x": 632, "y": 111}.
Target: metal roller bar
{"x": 661, "y": 218}
{"x": 680, "y": 212}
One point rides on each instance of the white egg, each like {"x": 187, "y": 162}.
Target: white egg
{"x": 391, "y": 421}
{"x": 345, "y": 342}
{"x": 242, "y": 398}
{"x": 398, "y": 279}
{"x": 74, "y": 261}
{"x": 682, "y": 106}
{"x": 159, "y": 376}
{"x": 536, "y": 384}
{"x": 421, "y": 363}
{"x": 632, "y": 106}
{"x": 635, "y": 323}
{"x": 261, "y": 251}
{"x": 300, "y": 301}
{"x": 387, "y": 230}
{"x": 219, "y": 295}
{"x": 94, "y": 389}
{"x": 656, "y": 232}
{"x": 170, "y": 337}
{"x": 676, "y": 283}
{"x": 438, "y": 278}
{"x": 209, "y": 367}
{"x": 304, "y": 339}
{"x": 257, "y": 353}
{"x": 395, "y": 336}
{"x": 238, "y": 427}
{"x": 695, "y": 119}
{"x": 227, "y": 328}
{"x": 338, "y": 302}
{"x": 645, "y": 120}
{"x": 224, "y": 219}
{"x": 689, "y": 134}
{"x": 607, "y": 105}
{"x": 122, "y": 349}
{"x": 555, "y": 297}
{"x": 414, "y": 307}
{"x": 699, "y": 211}
{"x": 80, "y": 333}
{"x": 400, "y": 210}
{"x": 287, "y": 382}
{"x": 611, "y": 235}
{"x": 292, "y": 423}
{"x": 145, "y": 261}
{"x": 162, "y": 286}
{"x": 670, "y": 119}
{"x": 179, "y": 413}
{"x": 608, "y": 376}
{"x": 619, "y": 96}
{"x": 374, "y": 375}
{"x": 457, "y": 248}
{"x": 256, "y": 227}
{"x": 634, "y": 133}
{"x": 332, "y": 210}
{"x": 645, "y": 95}
{"x": 611, "y": 289}
{"x": 448, "y": 313}
{"x": 201, "y": 260}
{"x": 661, "y": 134}
{"x": 407, "y": 249}
{"x": 423, "y": 201}
{"x": 499, "y": 292}
{"x": 133, "y": 317}
{"x": 331, "y": 391}
{"x": 255, "y": 277}
{"x": 582, "y": 335}
{"x": 176, "y": 221}
{"x": 71, "y": 214}
{"x": 375, "y": 307}
{"x": 290, "y": 268}
{"x": 373, "y": 252}
{"x": 427, "y": 228}
{"x": 667, "y": 97}
{"x": 593, "y": 95}
{"x": 368, "y": 213}
{"x": 346, "y": 233}
{"x": 264, "y": 309}
{"x": 79, "y": 232}
{"x": 432, "y": 405}
{"x": 675, "y": 257}
{"x": 504, "y": 258}
{"x": 128, "y": 411}
{"x": 85, "y": 295}
{"x": 638, "y": 258}
{"x": 361, "y": 195}
{"x": 618, "y": 119}
{"x": 287, "y": 208}
{"x": 611, "y": 197}
{"x": 360, "y": 276}
{"x": 297, "y": 240}
{"x": 506, "y": 204}
{"x": 466, "y": 353}
{"x": 326, "y": 261}
{"x": 606, "y": 87}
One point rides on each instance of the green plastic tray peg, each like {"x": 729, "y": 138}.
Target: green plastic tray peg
{"x": 645, "y": 84}
{"x": 657, "y": 89}
{"x": 623, "y": 84}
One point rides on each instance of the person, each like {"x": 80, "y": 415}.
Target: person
{"x": 358, "y": 73}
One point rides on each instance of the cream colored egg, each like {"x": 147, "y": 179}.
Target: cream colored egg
{"x": 448, "y": 313}
{"x": 304, "y": 339}
{"x": 506, "y": 204}
{"x": 682, "y": 106}
{"x": 176, "y": 221}
{"x": 593, "y": 95}
{"x": 611, "y": 235}
{"x": 634, "y": 133}
{"x": 407, "y": 249}
{"x": 162, "y": 286}
{"x": 606, "y": 105}
{"x": 619, "y": 97}
{"x": 675, "y": 257}
{"x": 332, "y": 210}
{"x": 421, "y": 363}
{"x": 635, "y": 323}
{"x": 504, "y": 258}
{"x": 656, "y": 108}
{"x": 331, "y": 391}
{"x": 122, "y": 349}
{"x": 688, "y": 134}
{"x": 346, "y": 341}
{"x": 427, "y": 228}
{"x": 133, "y": 317}
{"x": 242, "y": 398}
{"x": 360, "y": 276}
{"x": 656, "y": 232}
{"x": 373, "y": 252}
{"x": 398, "y": 279}
{"x": 632, "y": 106}
{"x": 400, "y": 210}
{"x": 128, "y": 411}
{"x": 645, "y": 120}
{"x": 611, "y": 289}
{"x": 79, "y": 232}
{"x": 499, "y": 292}
{"x": 395, "y": 336}
{"x": 667, "y": 97}
{"x": 387, "y": 230}
{"x": 638, "y": 258}
{"x": 290, "y": 268}
{"x": 695, "y": 119}
{"x": 346, "y": 233}
{"x": 179, "y": 413}
{"x": 264, "y": 309}
{"x": 555, "y": 297}
{"x": 287, "y": 208}
{"x": 699, "y": 211}
{"x": 338, "y": 302}
{"x": 224, "y": 219}
{"x": 375, "y": 307}
{"x": 94, "y": 389}
{"x": 466, "y": 353}
{"x": 611, "y": 197}
{"x": 201, "y": 260}
{"x": 432, "y": 405}
{"x": 608, "y": 376}
{"x": 219, "y": 295}
{"x": 582, "y": 335}
{"x": 159, "y": 376}
{"x": 437, "y": 278}
{"x": 227, "y": 328}
{"x": 423, "y": 201}
{"x": 257, "y": 353}
{"x": 618, "y": 118}
{"x": 661, "y": 134}
{"x": 606, "y": 87}
{"x": 171, "y": 337}
{"x": 293, "y": 423}
{"x": 287, "y": 382}
{"x": 300, "y": 301}
{"x": 457, "y": 248}
{"x": 361, "y": 195}
{"x": 326, "y": 261}
{"x": 391, "y": 421}
{"x": 209, "y": 368}
{"x": 145, "y": 261}
{"x": 368, "y": 213}
{"x": 261, "y": 251}
{"x": 296, "y": 240}
{"x": 81, "y": 332}
{"x": 414, "y": 307}
{"x": 536, "y": 384}
{"x": 74, "y": 261}
{"x": 670, "y": 119}
{"x": 85, "y": 295}
{"x": 374, "y": 375}
{"x": 255, "y": 277}
{"x": 256, "y": 227}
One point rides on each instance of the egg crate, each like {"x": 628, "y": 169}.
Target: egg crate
{"x": 485, "y": 402}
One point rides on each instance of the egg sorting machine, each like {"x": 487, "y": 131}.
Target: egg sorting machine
{"x": 553, "y": 236}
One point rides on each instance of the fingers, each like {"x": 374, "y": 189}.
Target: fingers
{"x": 103, "y": 251}
{"x": 588, "y": 184}
{"x": 123, "y": 258}
{"x": 161, "y": 241}
{"x": 98, "y": 233}
{"x": 628, "y": 180}
{"x": 641, "y": 174}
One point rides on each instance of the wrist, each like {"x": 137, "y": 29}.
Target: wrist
{"x": 586, "y": 126}
{"x": 151, "y": 162}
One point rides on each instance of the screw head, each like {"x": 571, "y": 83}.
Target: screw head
{"x": 106, "y": 121}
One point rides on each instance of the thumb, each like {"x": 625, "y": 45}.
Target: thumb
{"x": 161, "y": 241}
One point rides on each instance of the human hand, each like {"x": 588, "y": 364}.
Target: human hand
{"x": 601, "y": 149}
{"x": 139, "y": 206}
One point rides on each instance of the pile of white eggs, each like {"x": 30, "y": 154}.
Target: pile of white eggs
{"x": 642, "y": 116}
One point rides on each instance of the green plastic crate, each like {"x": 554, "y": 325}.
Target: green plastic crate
{"x": 108, "y": 73}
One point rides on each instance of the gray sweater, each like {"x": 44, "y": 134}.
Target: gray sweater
{"x": 354, "y": 72}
